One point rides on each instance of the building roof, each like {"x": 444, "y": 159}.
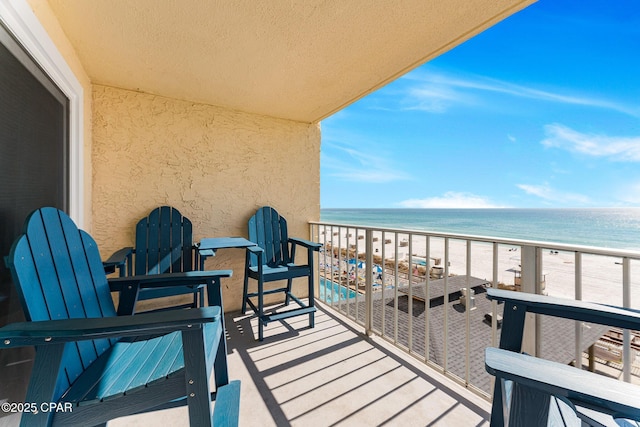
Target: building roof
{"x": 557, "y": 334}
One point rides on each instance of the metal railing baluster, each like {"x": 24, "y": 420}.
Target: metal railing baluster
{"x": 578, "y": 296}
{"x": 626, "y": 334}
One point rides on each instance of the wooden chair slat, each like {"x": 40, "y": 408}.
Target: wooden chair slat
{"x": 188, "y": 261}
{"x": 165, "y": 245}
{"x": 151, "y": 244}
{"x": 142, "y": 234}
{"x": 284, "y": 244}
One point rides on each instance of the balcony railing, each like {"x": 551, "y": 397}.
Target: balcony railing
{"x": 422, "y": 291}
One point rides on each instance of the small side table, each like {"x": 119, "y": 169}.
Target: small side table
{"x": 208, "y": 246}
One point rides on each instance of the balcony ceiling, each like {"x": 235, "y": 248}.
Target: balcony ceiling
{"x": 294, "y": 59}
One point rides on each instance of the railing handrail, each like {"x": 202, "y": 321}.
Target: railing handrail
{"x": 595, "y": 250}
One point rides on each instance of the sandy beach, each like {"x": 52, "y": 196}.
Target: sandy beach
{"x": 601, "y": 276}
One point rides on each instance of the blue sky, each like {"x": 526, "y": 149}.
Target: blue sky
{"x": 541, "y": 110}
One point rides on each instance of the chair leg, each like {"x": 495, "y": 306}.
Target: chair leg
{"x": 196, "y": 378}
{"x": 43, "y": 383}
{"x": 312, "y": 301}
{"x": 497, "y": 406}
{"x": 221, "y": 368}
{"x": 246, "y": 286}
{"x": 260, "y": 309}
{"x": 287, "y": 298}
{"x": 202, "y": 302}
{"x": 198, "y": 298}
{"x": 244, "y": 293}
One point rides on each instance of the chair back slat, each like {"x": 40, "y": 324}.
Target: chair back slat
{"x": 188, "y": 263}
{"x": 269, "y": 231}
{"x": 165, "y": 253}
{"x": 284, "y": 243}
{"x": 147, "y": 244}
{"x": 164, "y": 243}
{"x": 58, "y": 273}
{"x": 172, "y": 232}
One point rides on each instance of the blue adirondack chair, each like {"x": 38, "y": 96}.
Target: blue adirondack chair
{"x": 273, "y": 259}
{"x": 531, "y": 392}
{"x": 163, "y": 244}
{"x": 96, "y": 366}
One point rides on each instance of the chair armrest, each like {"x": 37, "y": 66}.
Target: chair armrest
{"x": 71, "y": 330}
{"x": 582, "y": 388}
{"x": 118, "y": 259}
{"x": 167, "y": 279}
{"x": 306, "y": 243}
{"x": 119, "y": 256}
{"x": 206, "y": 253}
{"x": 255, "y": 249}
{"x": 258, "y": 252}
{"x": 569, "y": 309}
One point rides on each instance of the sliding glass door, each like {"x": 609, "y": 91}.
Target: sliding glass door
{"x": 34, "y": 170}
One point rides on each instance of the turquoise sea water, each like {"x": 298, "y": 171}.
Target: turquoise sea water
{"x": 617, "y": 228}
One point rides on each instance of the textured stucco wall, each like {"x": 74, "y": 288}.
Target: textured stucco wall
{"x": 213, "y": 164}
{"x": 45, "y": 15}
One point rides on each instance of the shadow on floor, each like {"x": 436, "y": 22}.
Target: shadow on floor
{"x": 335, "y": 375}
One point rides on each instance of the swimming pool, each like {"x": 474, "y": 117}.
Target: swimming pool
{"x": 335, "y": 293}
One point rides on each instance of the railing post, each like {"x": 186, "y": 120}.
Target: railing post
{"x": 368, "y": 281}
{"x": 578, "y": 297}
{"x": 410, "y": 296}
{"x": 626, "y": 335}
{"x": 494, "y": 304}
{"x": 528, "y": 278}
{"x": 427, "y": 312}
{"x": 467, "y": 339}
{"x": 445, "y": 334}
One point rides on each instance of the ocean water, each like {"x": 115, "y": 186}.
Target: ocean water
{"x": 617, "y": 228}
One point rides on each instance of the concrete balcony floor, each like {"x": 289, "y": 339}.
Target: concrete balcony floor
{"x": 331, "y": 375}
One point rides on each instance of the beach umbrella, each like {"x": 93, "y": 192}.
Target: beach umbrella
{"x": 376, "y": 268}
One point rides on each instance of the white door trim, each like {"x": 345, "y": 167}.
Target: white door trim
{"x": 19, "y": 19}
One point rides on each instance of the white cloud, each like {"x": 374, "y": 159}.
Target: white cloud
{"x": 629, "y": 195}
{"x": 433, "y": 98}
{"x": 373, "y": 176}
{"x": 451, "y": 199}
{"x": 550, "y": 194}
{"x": 357, "y": 165}
{"x": 436, "y": 91}
{"x": 624, "y": 149}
